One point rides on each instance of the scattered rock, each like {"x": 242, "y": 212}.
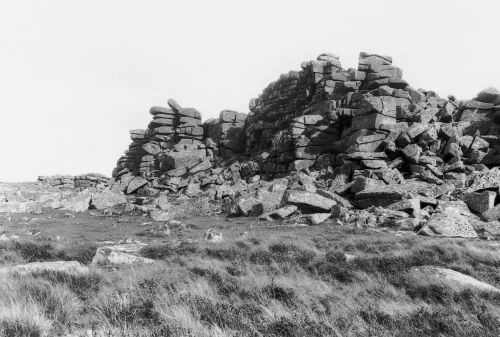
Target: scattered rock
{"x": 159, "y": 215}
{"x": 213, "y": 237}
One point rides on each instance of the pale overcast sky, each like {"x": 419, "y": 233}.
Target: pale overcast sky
{"x": 75, "y": 76}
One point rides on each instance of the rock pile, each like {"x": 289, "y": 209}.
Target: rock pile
{"x": 172, "y": 153}
{"x": 358, "y": 145}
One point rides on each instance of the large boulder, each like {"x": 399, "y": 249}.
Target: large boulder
{"x": 120, "y": 254}
{"x": 77, "y": 203}
{"x": 107, "y": 199}
{"x": 250, "y": 206}
{"x": 450, "y": 222}
{"x": 488, "y": 95}
{"x": 308, "y": 202}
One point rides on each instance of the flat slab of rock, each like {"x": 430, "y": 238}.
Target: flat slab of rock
{"x": 70, "y": 267}
{"x": 450, "y": 277}
{"x": 113, "y": 256}
{"x": 308, "y": 202}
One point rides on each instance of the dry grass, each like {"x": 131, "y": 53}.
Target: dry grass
{"x": 265, "y": 285}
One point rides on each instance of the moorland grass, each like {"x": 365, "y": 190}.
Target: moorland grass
{"x": 277, "y": 285}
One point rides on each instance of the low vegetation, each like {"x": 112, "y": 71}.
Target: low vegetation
{"x": 267, "y": 285}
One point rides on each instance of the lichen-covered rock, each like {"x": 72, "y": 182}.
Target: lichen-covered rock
{"x": 449, "y": 223}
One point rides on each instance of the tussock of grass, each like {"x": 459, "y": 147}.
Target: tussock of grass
{"x": 23, "y": 319}
{"x": 35, "y": 251}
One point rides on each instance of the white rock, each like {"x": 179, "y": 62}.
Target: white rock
{"x": 210, "y": 236}
{"x": 450, "y": 277}
{"x": 108, "y": 256}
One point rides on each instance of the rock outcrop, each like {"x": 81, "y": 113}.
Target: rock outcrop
{"x": 89, "y": 180}
{"x": 393, "y": 154}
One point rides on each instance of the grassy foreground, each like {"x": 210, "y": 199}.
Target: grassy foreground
{"x": 294, "y": 283}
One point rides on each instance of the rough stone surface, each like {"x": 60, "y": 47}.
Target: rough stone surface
{"x": 449, "y": 223}
{"x": 308, "y": 202}
{"x": 106, "y": 199}
{"x": 135, "y": 184}
{"x": 118, "y": 255}
{"x": 492, "y": 214}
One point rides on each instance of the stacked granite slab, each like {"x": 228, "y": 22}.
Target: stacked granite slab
{"x": 171, "y": 148}
{"x": 91, "y": 180}
{"x": 189, "y": 127}
{"x": 380, "y": 71}
{"x": 275, "y": 126}
{"x": 228, "y": 133}
{"x": 147, "y": 144}
{"x": 58, "y": 181}
{"x": 304, "y": 114}
{"x": 84, "y": 181}
{"x": 481, "y": 116}
{"x": 324, "y": 111}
